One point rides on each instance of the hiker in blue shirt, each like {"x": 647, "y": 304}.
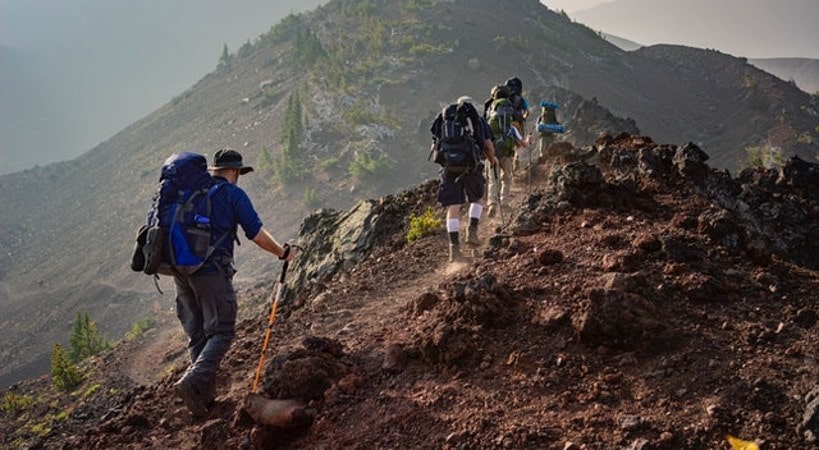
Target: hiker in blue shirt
{"x": 515, "y": 86}
{"x": 206, "y": 300}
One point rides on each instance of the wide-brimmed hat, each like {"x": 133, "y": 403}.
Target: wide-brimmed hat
{"x": 227, "y": 158}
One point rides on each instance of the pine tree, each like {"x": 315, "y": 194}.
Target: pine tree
{"x": 64, "y": 375}
{"x": 225, "y": 59}
{"x": 85, "y": 340}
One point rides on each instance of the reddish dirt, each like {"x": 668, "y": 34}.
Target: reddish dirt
{"x": 619, "y": 323}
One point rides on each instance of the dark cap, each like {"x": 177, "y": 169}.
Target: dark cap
{"x": 227, "y": 158}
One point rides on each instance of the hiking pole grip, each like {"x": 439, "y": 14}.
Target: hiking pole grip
{"x": 284, "y": 272}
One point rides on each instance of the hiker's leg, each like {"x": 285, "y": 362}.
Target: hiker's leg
{"x": 475, "y": 188}
{"x": 189, "y": 312}
{"x": 491, "y": 185}
{"x": 453, "y": 227}
{"x": 475, "y": 210}
{"x": 451, "y": 196}
{"x": 506, "y": 163}
{"x": 218, "y": 300}
{"x": 453, "y": 223}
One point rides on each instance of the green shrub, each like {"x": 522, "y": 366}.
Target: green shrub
{"x": 139, "y": 327}
{"x": 764, "y": 156}
{"x": 90, "y": 391}
{"x": 805, "y": 138}
{"x": 364, "y": 166}
{"x": 427, "y": 49}
{"x": 312, "y": 200}
{"x": 424, "y": 225}
{"x": 13, "y": 402}
{"x": 42, "y": 429}
{"x": 329, "y": 162}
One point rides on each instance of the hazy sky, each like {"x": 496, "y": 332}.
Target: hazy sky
{"x": 75, "y": 72}
{"x": 749, "y": 28}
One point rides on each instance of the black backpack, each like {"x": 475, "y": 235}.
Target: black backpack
{"x": 456, "y": 146}
{"x": 515, "y": 87}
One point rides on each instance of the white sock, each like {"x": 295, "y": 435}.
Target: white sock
{"x": 453, "y": 225}
{"x": 475, "y": 210}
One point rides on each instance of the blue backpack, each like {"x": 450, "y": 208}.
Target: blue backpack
{"x": 177, "y": 237}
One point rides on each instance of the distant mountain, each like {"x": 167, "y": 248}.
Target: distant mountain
{"x": 803, "y": 71}
{"x": 622, "y": 43}
{"x": 748, "y": 28}
{"x": 369, "y": 76}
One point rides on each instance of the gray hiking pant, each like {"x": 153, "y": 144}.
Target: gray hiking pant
{"x": 206, "y": 308}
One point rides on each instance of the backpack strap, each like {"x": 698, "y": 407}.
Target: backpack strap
{"x": 156, "y": 283}
{"x": 212, "y": 248}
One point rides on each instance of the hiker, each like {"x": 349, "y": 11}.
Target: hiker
{"x": 513, "y": 139}
{"x": 506, "y": 124}
{"x": 206, "y": 300}
{"x": 548, "y": 116}
{"x": 520, "y": 104}
{"x": 515, "y": 86}
{"x": 462, "y": 182}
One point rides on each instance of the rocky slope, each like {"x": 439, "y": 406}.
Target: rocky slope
{"x": 370, "y": 74}
{"x": 643, "y": 301}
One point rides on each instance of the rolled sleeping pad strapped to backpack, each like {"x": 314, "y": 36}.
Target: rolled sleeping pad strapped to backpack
{"x": 551, "y": 128}
{"x": 545, "y": 104}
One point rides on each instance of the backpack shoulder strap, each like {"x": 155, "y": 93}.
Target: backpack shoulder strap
{"x": 211, "y": 191}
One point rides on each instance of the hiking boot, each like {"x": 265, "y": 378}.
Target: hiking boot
{"x": 455, "y": 254}
{"x": 472, "y": 237}
{"x": 190, "y": 396}
{"x": 209, "y": 394}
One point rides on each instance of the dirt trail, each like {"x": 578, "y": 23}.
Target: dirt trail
{"x": 153, "y": 355}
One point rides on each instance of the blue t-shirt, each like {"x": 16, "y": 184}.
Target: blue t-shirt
{"x": 231, "y": 207}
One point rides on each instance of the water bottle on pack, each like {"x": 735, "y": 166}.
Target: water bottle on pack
{"x": 200, "y": 235}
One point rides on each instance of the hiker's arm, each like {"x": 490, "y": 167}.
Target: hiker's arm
{"x": 264, "y": 240}
{"x": 526, "y": 141}
{"x": 489, "y": 149}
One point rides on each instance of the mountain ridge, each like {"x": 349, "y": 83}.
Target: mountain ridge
{"x": 644, "y": 300}
{"x": 74, "y": 222}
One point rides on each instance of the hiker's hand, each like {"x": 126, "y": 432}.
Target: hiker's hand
{"x": 289, "y": 252}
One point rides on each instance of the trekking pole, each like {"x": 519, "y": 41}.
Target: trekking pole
{"x": 529, "y": 172}
{"x": 497, "y": 192}
{"x": 270, "y": 321}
